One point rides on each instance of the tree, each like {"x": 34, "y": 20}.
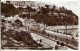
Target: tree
{"x": 45, "y": 10}
{"x": 8, "y": 10}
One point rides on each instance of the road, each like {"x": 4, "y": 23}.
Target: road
{"x": 45, "y": 40}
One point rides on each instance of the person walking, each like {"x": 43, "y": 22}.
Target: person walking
{"x": 62, "y": 46}
{"x": 57, "y": 46}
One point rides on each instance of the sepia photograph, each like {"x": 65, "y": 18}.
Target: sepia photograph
{"x": 39, "y": 25}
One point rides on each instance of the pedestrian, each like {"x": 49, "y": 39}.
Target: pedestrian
{"x": 64, "y": 32}
{"x": 57, "y": 46}
{"x": 40, "y": 43}
{"x": 72, "y": 37}
{"x": 62, "y": 46}
{"x": 57, "y": 31}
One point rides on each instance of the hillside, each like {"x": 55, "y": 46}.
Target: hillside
{"x": 50, "y": 15}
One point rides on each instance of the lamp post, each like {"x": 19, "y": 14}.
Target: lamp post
{"x": 30, "y": 22}
{"x": 66, "y": 29}
{"x": 29, "y": 9}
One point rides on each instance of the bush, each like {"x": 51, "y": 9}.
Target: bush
{"x": 26, "y": 38}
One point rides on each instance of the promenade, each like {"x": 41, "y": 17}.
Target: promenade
{"x": 45, "y": 41}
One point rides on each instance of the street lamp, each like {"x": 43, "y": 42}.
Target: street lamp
{"x": 66, "y": 29}
{"x": 30, "y": 22}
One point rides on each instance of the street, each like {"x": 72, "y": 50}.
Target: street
{"x": 45, "y": 40}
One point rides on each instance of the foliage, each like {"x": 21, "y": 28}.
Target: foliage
{"x": 57, "y": 16}
{"x": 8, "y": 10}
{"x": 50, "y": 16}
